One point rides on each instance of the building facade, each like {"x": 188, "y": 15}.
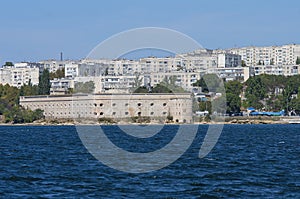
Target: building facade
{"x": 115, "y": 106}
{"x": 19, "y": 74}
{"x": 268, "y": 55}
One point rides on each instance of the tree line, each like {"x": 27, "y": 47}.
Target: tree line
{"x": 263, "y": 92}
{"x": 10, "y": 109}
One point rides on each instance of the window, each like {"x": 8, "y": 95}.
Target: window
{"x": 114, "y": 113}
{"x": 114, "y": 104}
{"x": 126, "y": 113}
{"x": 139, "y": 104}
{"x": 151, "y": 104}
{"x": 101, "y": 113}
{"x": 164, "y": 104}
{"x": 126, "y": 104}
{"x": 152, "y": 113}
{"x": 101, "y": 104}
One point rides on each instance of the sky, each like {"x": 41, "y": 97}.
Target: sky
{"x": 35, "y": 30}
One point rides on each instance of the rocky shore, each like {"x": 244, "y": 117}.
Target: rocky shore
{"x": 227, "y": 120}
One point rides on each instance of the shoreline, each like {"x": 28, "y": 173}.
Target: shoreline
{"x": 231, "y": 121}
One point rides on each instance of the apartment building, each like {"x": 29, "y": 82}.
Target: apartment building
{"x": 286, "y": 70}
{"x": 19, "y": 74}
{"x": 53, "y": 65}
{"x": 182, "y": 79}
{"x": 232, "y": 73}
{"x": 269, "y": 55}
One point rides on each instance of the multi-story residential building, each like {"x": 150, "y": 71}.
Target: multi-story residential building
{"x": 199, "y": 60}
{"x": 71, "y": 70}
{"x": 228, "y": 60}
{"x": 269, "y": 55}
{"x": 182, "y": 79}
{"x": 120, "y": 84}
{"x": 286, "y": 70}
{"x": 19, "y": 74}
{"x": 61, "y": 86}
{"x": 232, "y": 73}
{"x": 53, "y": 65}
{"x": 159, "y": 65}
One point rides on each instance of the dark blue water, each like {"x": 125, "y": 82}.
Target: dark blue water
{"x": 249, "y": 161}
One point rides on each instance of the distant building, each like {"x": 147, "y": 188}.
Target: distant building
{"x": 61, "y": 86}
{"x": 116, "y": 106}
{"x": 286, "y": 70}
{"x": 267, "y": 55}
{"x": 19, "y": 74}
{"x": 53, "y": 65}
{"x": 71, "y": 70}
{"x": 228, "y": 60}
{"x": 182, "y": 79}
{"x": 234, "y": 73}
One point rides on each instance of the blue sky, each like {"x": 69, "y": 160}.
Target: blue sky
{"x": 33, "y": 30}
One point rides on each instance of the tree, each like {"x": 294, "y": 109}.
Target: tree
{"x": 255, "y": 91}
{"x": 11, "y": 109}
{"x": 259, "y": 62}
{"x": 233, "y": 100}
{"x": 233, "y": 103}
{"x": 209, "y": 83}
{"x": 44, "y": 83}
{"x": 87, "y": 87}
{"x": 298, "y": 60}
{"x": 201, "y": 83}
{"x": 29, "y": 89}
{"x": 243, "y": 63}
{"x": 141, "y": 89}
{"x": 8, "y": 64}
{"x": 233, "y": 87}
{"x": 60, "y": 73}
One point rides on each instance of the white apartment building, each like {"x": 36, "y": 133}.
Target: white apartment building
{"x": 286, "y": 70}
{"x": 54, "y": 65}
{"x": 269, "y": 55}
{"x": 71, "y": 70}
{"x": 228, "y": 60}
{"x": 120, "y": 84}
{"x": 123, "y": 66}
{"x": 232, "y": 73}
{"x": 61, "y": 86}
{"x": 159, "y": 65}
{"x": 19, "y": 74}
{"x": 182, "y": 79}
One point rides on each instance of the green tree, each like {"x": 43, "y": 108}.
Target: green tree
{"x": 10, "y": 108}
{"x": 141, "y": 89}
{"x": 259, "y": 62}
{"x": 60, "y": 73}
{"x": 255, "y": 91}
{"x": 29, "y": 89}
{"x": 233, "y": 103}
{"x": 8, "y": 64}
{"x": 298, "y": 60}
{"x": 243, "y": 63}
{"x": 86, "y": 87}
{"x": 44, "y": 83}
{"x": 210, "y": 83}
{"x": 201, "y": 83}
{"x": 233, "y": 100}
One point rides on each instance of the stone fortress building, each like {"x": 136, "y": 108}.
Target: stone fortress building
{"x": 115, "y": 106}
